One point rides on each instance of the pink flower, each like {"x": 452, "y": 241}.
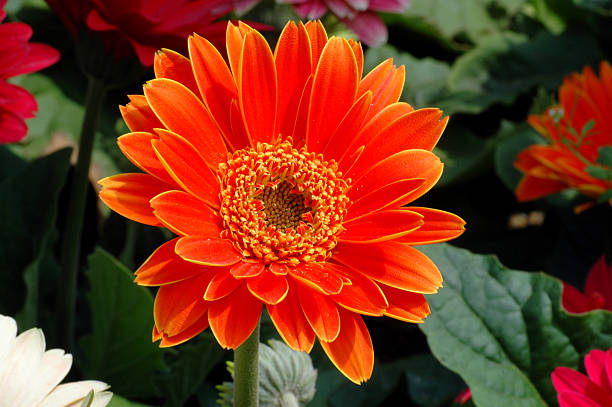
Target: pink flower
{"x": 597, "y": 290}
{"x": 464, "y": 396}
{"x": 142, "y": 27}
{"x": 17, "y": 57}
{"x": 577, "y": 390}
{"x": 359, "y": 15}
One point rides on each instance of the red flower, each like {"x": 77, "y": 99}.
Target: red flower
{"x": 285, "y": 177}
{"x": 577, "y": 390}
{"x": 18, "y": 57}
{"x": 597, "y": 290}
{"x": 142, "y": 27}
{"x": 575, "y": 130}
{"x": 464, "y": 396}
{"x": 359, "y": 15}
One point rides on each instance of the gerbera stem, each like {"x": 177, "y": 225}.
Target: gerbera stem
{"x": 73, "y": 227}
{"x": 246, "y": 371}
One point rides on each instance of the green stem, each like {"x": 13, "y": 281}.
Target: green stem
{"x": 71, "y": 240}
{"x": 246, "y": 372}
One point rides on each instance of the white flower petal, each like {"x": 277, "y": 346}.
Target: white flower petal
{"x": 99, "y": 400}
{"x": 53, "y": 368}
{"x": 68, "y": 393}
{"x": 8, "y": 333}
{"x": 21, "y": 366}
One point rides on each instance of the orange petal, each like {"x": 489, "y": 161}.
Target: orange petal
{"x": 317, "y": 276}
{"x": 420, "y": 129}
{"x": 395, "y": 264}
{"x": 374, "y": 80}
{"x": 301, "y": 119}
{"x": 246, "y": 270}
{"x": 172, "y": 65}
{"x": 183, "y": 113}
{"x": 269, "y": 287}
{"x": 137, "y": 148}
{"x": 381, "y": 226}
{"x": 408, "y": 164}
{"x": 239, "y": 132}
{"x": 320, "y": 311}
{"x": 209, "y": 252}
{"x": 362, "y": 295}
{"x": 164, "y": 266}
{"x": 193, "y": 330}
{"x": 179, "y": 305}
{"x": 530, "y": 188}
{"x": 387, "y": 196}
{"x": 138, "y": 115}
{"x": 389, "y": 91}
{"x": 438, "y": 226}
{"x": 293, "y": 68}
{"x": 221, "y": 285}
{"x": 278, "y": 269}
{"x": 333, "y": 92}
{"x": 129, "y": 196}
{"x": 344, "y": 135}
{"x": 318, "y": 39}
{"x": 358, "y": 51}
{"x": 216, "y": 84}
{"x": 234, "y": 38}
{"x": 233, "y": 318}
{"x": 186, "y": 215}
{"x": 187, "y": 167}
{"x": 291, "y": 324}
{"x": 405, "y": 305}
{"x": 257, "y": 88}
{"x": 352, "y": 351}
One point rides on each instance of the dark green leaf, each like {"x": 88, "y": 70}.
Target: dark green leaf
{"x": 599, "y": 172}
{"x": 505, "y": 331}
{"x": 28, "y": 203}
{"x": 605, "y": 156}
{"x": 603, "y": 7}
{"x": 118, "y": 401}
{"x": 119, "y": 350}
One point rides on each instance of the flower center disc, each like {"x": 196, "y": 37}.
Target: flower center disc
{"x": 281, "y": 204}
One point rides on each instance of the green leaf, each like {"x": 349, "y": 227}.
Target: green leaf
{"x": 605, "y": 156}
{"x": 505, "y": 331}
{"x": 603, "y": 7}
{"x": 191, "y": 363}
{"x": 555, "y": 14}
{"x": 28, "y": 202}
{"x": 118, "y": 401}
{"x": 505, "y": 65}
{"x": 599, "y": 172}
{"x": 119, "y": 350}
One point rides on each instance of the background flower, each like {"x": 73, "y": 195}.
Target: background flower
{"x": 18, "y": 57}
{"x": 577, "y": 390}
{"x": 359, "y": 15}
{"x": 287, "y": 195}
{"x": 575, "y": 129}
{"x": 597, "y": 290}
{"x": 31, "y": 376}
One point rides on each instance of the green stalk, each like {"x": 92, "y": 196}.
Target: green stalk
{"x": 71, "y": 240}
{"x": 246, "y": 372}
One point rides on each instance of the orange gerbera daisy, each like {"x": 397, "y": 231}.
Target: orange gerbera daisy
{"x": 284, "y": 177}
{"x": 575, "y": 128}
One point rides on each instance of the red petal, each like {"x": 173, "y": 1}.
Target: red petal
{"x": 333, "y": 92}
{"x": 599, "y": 282}
{"x": 318, "y": 39}
{"x": 405, "y": 305}
{"x": 165, "y": 267}
{"x": 221, "y": 285}
{"x": 268, "y": 287}
{"x": 391, "y": 195}
{"x": 597, "y": 364}
{"x": 320, "y": 311}
{"x": 530, "y": 188}
{"x": 180, "y": 305}
{"x": 172, "y": 65}
{"x": 567, "y": 380}
{"x": 317, "y": 276}
{"x": 573, "y": 399}
{"x": 395, "y": 264}
{"x": 138, "y": 115}
{"x": 291, "y": 323}
{"x": 129, "y": 195}
{"x": 573, "y": 300}
{"x": 246, "y": 270}
{"x": 363, "y": 295}
{"x": 233, "y": 318}
{"x": 183, "y": 113}
{"x": 187, "y": 167}
{"x": 257, "y": 88}
{"x": 138, "y": 149}
{"x": 209, "y": 252}
{"x": 381, "y": 226}
{"x": 292, "y": 58}
{"x": 216, "y": 84}
{"x": 352, "y": 351}
{"x": 438, "y": 226}
{"x": 186, "y": 215}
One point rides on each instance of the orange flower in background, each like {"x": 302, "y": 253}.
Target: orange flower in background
{"x": 575, "y": 130}
{"x": 284, "y": 176}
